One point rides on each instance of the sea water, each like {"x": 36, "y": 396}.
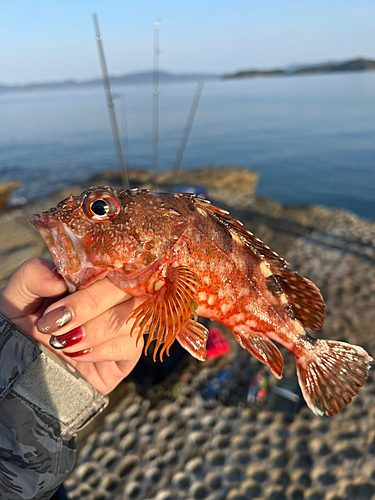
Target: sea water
{"x": 310, "y": 138}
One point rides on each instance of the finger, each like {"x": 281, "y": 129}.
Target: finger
{"x": 121, "y": 349}
{"x": 80, "y": 307}
{"x": 110, "y": 333}
{"x": 109, "y": 325}
{"x": 28, "y": 287}
{"x": 107, "y": 375}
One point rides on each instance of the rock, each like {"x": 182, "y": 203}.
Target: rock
{"x": 128, "y": 442}
{"x": 110, "y": 459}
{"x": 6, "y": 189}
{"x": 280, "y": 477}
{"x": 248, "y": 430}
{"x": 358, "y": 488}
{"x": 251, "y": 489}
{"x": 196, "y": 466}
{"x": 221, "y": 442}
{"x": 165, "y": 495}
{"x": 323, "y": 476}
{"x": 223, "y": 427}
{"x": 295, "y": 493}
{"x": 122, "y": 429}
{"x": 133, "y": 490}
{"x": 241, "y": 457}
{"x": 214, "y": 480}
{"x": 371, "y": 442}
{"x": 260, "y": 451}
{"x": 198, "y": 491}
{"x": 279, "y": 458}
{"x": 303, "y": 462}
{"x": 297, "y": 444}
{"x": 262, "y": 437}
{"x": 215, "y": 458}
{"x": 236, "y": 494}
{"x": 318, "y": 446}
{"x": 257, "y": 473}
{"x": 235, "y": 179}
{"x": 233, "y": 473}
{"x": 347, "y": 451}
{"x": 110, "y": 483}
{"x": 126, "y": 465}
{"x": 314, "y": 494}
{"x": 274, "y": 493}
{"x": 333, "y": 460}
{"x": 301, "y": 478}
{"x": 333, "y": 495}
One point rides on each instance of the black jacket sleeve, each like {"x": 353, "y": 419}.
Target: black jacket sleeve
{"x": 43, "y": 403}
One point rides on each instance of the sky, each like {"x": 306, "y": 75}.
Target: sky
{"x": 45, "y": 40}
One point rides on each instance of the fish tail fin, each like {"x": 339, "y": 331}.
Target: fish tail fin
{"x": 330, "y": 374}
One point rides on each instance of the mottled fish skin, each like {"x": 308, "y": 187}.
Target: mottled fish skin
{"x": 189, "y": 257}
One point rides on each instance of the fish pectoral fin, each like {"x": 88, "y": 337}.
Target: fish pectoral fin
{"x": 193, "y": 338}
{"x": 165, "y": 314}
{"x": 264, "y": 350}
{"x": 330, "y": 374}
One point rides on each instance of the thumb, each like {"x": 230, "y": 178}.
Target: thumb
{"x": 28, "y": 286}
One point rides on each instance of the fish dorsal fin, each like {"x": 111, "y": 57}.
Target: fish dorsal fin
{"x": 236, "y": 229}
{"x": 304, "y": 298}
{"x": 165, "y": 314}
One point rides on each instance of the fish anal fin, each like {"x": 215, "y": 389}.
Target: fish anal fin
{"x": 264, "y": 350}
{"x": 193, "y": 338}
{"x": 303, "y": 298}
{"x": 330, "y": 375}
{"x": 164, "y": 314}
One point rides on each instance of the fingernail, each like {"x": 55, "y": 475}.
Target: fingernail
{"x": 68, "y": 339}
{"x": 54, "y": 320}
{"x": 78, "y": 353}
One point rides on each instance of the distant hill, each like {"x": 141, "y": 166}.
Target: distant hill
{"x": 359, "y": 64}
{"x": 146, "y": 77}
{"x": 140, "y": 78}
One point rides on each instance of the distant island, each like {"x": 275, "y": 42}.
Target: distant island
{"x": 146, "y": 77}
{"x": 359, "y": 64}
{"x": 141, "y": 78}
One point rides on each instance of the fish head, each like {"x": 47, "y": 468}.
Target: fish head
{"x": 106, "y": 230}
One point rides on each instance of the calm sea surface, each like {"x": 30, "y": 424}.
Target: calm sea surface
{"x": 311, "y": 139}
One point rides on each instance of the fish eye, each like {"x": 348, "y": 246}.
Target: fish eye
{"x": 100, "y": 205}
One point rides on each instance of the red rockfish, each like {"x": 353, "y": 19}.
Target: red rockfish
{"x": 191, "y": 258}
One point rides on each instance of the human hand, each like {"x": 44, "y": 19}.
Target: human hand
{"x": 88, "y": 326}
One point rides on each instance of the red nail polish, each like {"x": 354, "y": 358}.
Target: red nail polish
{"x": 78, "y": 353}
{"x": 68, "y": 339}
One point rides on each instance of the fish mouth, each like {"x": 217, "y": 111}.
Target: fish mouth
{"x": 61, "y": 248}
{"x": 66, "y": 250}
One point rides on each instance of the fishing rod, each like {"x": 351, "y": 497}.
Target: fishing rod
{"x": 111, "y": 106}
{"x": 155, "y": 102}
{"x": 186, "y": 133}
{"x": 125, "y": 131}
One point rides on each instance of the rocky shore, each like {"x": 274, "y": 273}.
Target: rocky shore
{"x": 177, "y": 440}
